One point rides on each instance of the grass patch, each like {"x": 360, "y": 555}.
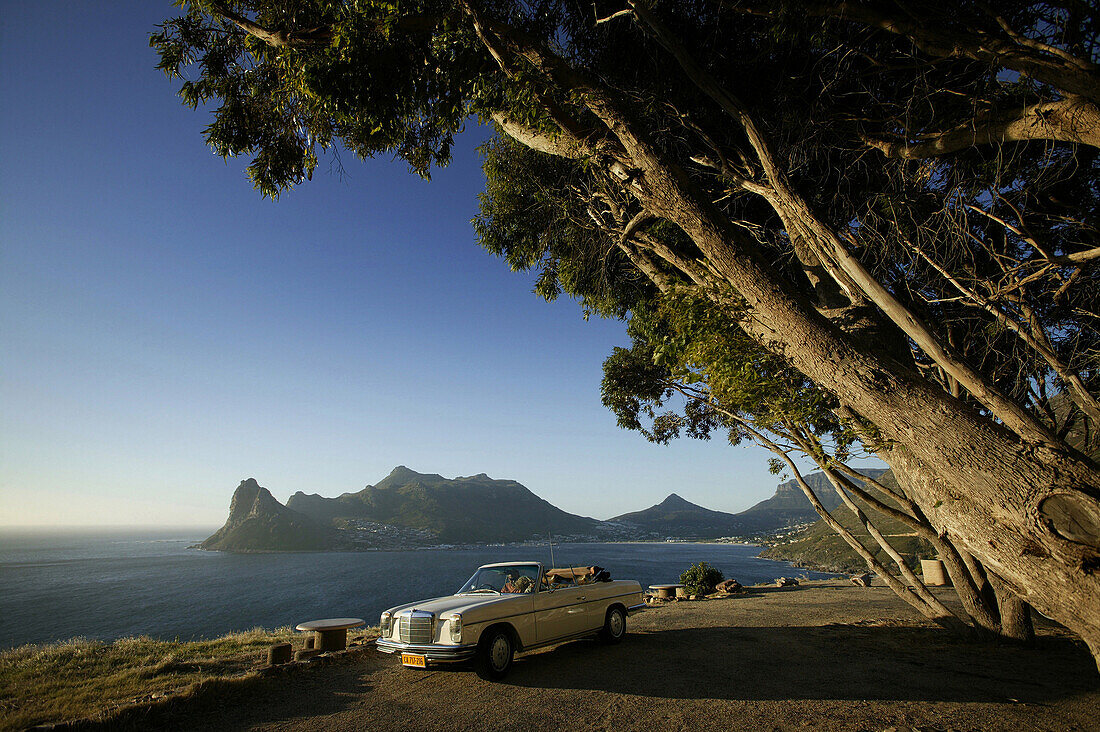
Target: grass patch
{"x": 83, "y": 678}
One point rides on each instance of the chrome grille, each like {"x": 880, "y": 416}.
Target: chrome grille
{"x": 416, "y": 627}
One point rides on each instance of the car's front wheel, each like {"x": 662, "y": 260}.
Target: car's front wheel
{"x": 494, "y": 654}
{"x": 614, "y": 625}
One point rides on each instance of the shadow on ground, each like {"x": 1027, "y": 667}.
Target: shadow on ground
{"x": 712, "y": 676}
{"x": 835, "y": 662}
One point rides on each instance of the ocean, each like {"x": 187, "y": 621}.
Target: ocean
{"x": 113, "y": 584}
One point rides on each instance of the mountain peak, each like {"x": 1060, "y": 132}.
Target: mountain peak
{"x": 258, "y": 522}
{"x": 243, "y": 499}
{"x": 676, "y": 516}
{"x": 675, "y": 501}
{"x": 402, "y": 475}
{"x": 265, "y": 503}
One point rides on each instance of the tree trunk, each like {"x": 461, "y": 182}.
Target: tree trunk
{"x": 924, "y": 603}
{"x": 1015, "y": 613}
{"x": 967, "y": 579}
{"x": 1029, "y": 512}
{"x": 1055, "y": 574}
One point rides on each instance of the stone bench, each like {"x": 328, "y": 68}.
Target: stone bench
{"x": 667, "y": 592}
{"x": 330, "y": 634}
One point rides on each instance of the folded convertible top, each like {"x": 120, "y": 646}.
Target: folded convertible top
{"x": 579, "y": 575}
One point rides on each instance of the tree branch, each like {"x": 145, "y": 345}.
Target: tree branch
{"x": 276, "y": 39}
{"x": 935, "y": 611}
{"x": 1035, "y": 339}
{"x": 830, "y": 251}
{"x": 934, "y": 37}
{"x": 562, "y": 145}
{"x": 1068, "y": 120}
{"x": 320, "y": 35}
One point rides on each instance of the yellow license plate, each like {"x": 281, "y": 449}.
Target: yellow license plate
{"x": 410, "y": 659}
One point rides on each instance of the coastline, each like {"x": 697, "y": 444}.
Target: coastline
{"x": 468, "y": 547}
{"x": 825, "y": 568}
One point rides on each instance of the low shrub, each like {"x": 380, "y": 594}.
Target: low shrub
{"x": 701, "y": 579}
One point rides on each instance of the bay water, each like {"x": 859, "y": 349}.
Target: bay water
{"x": 109, "y": 584}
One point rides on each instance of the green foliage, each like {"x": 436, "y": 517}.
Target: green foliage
{"x": 530, "y": 219}
{"x": 283, "y": 106}
{"x": 402, "y": 78}
{"x": 680, "y": 342}
{"x": 701, "y": 579}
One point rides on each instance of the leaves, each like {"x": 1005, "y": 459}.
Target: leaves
{"x": 288, "y": 79}
{"x": 701, "y": 579}
{"x": 684, "y": 346}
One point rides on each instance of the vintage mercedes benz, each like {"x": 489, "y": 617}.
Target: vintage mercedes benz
{"x": 509, "y": 607}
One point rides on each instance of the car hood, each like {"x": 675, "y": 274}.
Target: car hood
{"x": 472, "y": 607}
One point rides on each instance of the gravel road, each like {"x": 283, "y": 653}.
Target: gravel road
{"x": 824, "y": 655}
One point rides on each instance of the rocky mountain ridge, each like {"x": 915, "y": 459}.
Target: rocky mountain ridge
{"x": 258, "y": 522}
{"x": 473, "y": 509}
{"x": 790, "y": 505}
{"x": 407, "y": 509}
{"x": 819, "y": 547}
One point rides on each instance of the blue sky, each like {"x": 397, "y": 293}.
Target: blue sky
{"x": 165, "y": 332}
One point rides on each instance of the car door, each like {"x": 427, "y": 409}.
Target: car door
{"x": 597, "y": 599}
{"x": 560, "y": 612}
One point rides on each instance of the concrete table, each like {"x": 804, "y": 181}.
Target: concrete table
{"x": 665, "y": 592}
{"x": 934, "y": 573}
{"x": 330, "y": 634}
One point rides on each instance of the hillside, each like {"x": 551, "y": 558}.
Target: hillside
{"x": 820, "y": 547}
{"x": 790, "y": 506}
{"x": 258, "y": 522}
{"x": 679, "y": 518}
{"x": 472, "y": 509}
{"x": 676, "y": 517}
{"x": 407, "y": 509}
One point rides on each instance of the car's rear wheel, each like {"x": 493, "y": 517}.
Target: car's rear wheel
{"x": 494, "y": 654}
{"x": 614, "y": 625}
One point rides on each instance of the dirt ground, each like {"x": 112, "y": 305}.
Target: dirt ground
{"x": 825, "y": 655}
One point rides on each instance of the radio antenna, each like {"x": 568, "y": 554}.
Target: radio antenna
{"x": 551, "y": 538}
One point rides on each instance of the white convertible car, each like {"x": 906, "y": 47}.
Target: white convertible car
{"x": 509, "y": 607}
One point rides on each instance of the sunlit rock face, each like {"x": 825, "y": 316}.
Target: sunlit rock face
{"x": 258, "y": 522}
{"x": 462, "y": 510}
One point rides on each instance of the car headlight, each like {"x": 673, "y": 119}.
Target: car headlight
{"x": 385, "y": 624}
{"x": 456, "y": 628}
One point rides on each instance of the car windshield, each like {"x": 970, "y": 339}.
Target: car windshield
{"x": 506, "y": 579}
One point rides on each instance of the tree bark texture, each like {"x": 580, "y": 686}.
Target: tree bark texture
{"x": 1029, "y": 511}
{"x": 1015, "y": 613}
{"x": 1067, "y": 120}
